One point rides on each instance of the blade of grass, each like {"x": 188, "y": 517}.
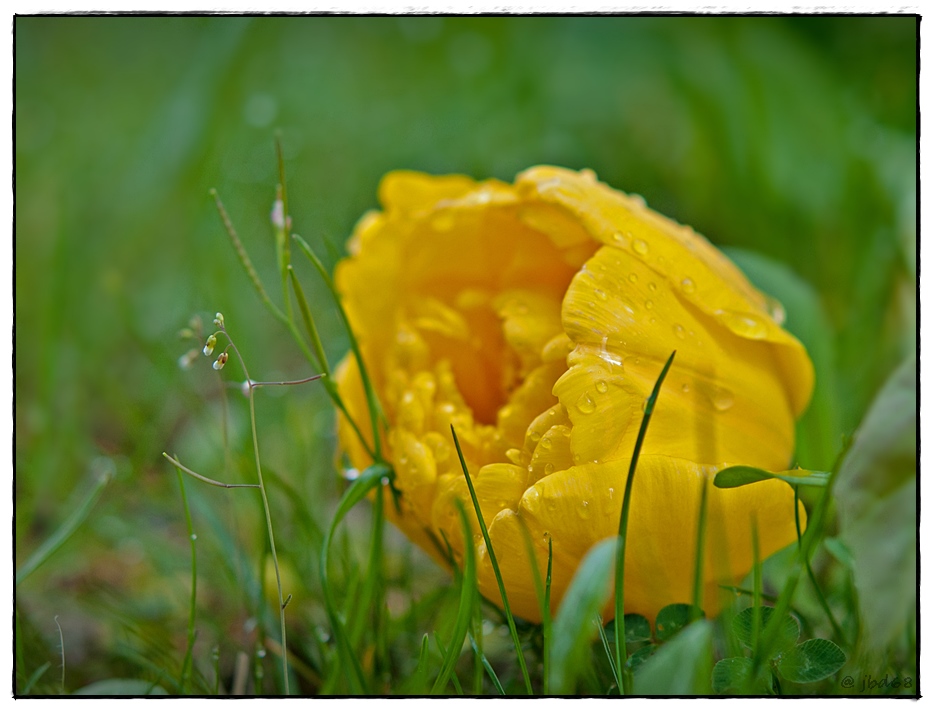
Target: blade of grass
{"x": 371, "y": 401}
{"x": 36, "y": 675}
{"x": 543, "y": 593}
{"x": 495, "y": 565}
{"x": 329, "y": 385}
{"x": 621, "y": 654}
{"x": 65, "y": 531}
{"x": 700, "y": 554}
{"x": 420, "y": 677}
{"x": 192, "y": 613}
{"x": 488, "y": 667}
{"x": 465, "y": 611}
{"x": 283, "y": 246}
{"x": 357, "y": 491}
{"x": 453, "y": 677}
{"x": 609, "y": 655}
{"x": 588, "y": 593}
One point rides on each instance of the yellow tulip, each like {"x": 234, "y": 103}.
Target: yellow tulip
{"x": 535, "y": 319}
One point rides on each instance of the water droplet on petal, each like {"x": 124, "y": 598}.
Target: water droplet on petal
{"x": 633, "y": 277}
{"x": 585, "y": 404}
{"x": 601, "y": 386}
{"x": 549, "y": 468}
{"x": 723, "y": 399}
{"x": 640, "y": 247}
{"x": 745, "y": 324}
{"x": 600, "y": 294}
{"x": 688, "y": 286}
{"x": 546, "y": 443}
{"x": 685, "y": 387}
{"x": 649, "y": 304}
{"x": 679, "y": 331}
{"x": 652, "y": 286}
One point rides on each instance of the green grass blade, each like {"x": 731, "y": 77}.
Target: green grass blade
{"x": 621, "y": 652}
{"x": 575, "y": 622}
{"x": 698, "y": 560}
{"x": 371, "y": 401}
{"x": 192, "y": 613}
{"x": 488, "y": 667}
{"x": 453, "y": 677}
{"x": 495, "y": 565}
{"x": 247, "y": 263}
{"x": 65, "y": 531}
{"x": 36, "y": 675}
{"x": 609, "y": 655}
{"x": 369, "y": 479}
{"x": 468, "y": 594}
{"x": 283, "y": 246}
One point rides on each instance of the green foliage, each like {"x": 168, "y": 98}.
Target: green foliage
{"x": 804, "y": 663}
{"x": 732, "y": 477}
{"x": 681, "y": 666}
{"x": 877, "y": 496}
{"x": 672, "y": 619}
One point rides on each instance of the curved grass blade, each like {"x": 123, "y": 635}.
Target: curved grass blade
{"x": 192, "y": 614}
{"x": 575, "y": 622}
{"x": 495, "y": 565}
{"x": 488, "y": 667}
{"x": 621, "y": 652}
{"x": 369, "y": 479}
{"x": 65, "y": 531}
{"x": 371, "y": 401}
{"x": 465, "y": 611}
{"x": 453, "y": 677}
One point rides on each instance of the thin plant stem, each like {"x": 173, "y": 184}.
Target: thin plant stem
{"x": 265, "y": 506}
{"x": 816, "y": 587}
{"x": 621, "y": 654}
{"x": 207, "y": 480}
{"x": 192, "y": 634}
{"x": 61, "y": 643}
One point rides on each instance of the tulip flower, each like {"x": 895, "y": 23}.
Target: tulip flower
{"x": 535, "y": 318}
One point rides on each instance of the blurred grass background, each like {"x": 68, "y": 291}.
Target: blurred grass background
{"x": 794, "y": 137}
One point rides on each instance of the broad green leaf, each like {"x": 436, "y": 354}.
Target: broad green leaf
{"x": 811, "y": 661}
{"x": 820, "y": 428}
{"x": 672, "y": 619}
{"x": 639, "y": 656}
{"x": 876, "y": 494}
{"x": 733, "y": 675}
{"x": 732, "y": 477}
{"x": 573, "y": 628}
{"x": 743, "y": 627}
{"x": 637, "y": 628}
{"x": 122, "y": 687}
{"x": 681, "y": 667}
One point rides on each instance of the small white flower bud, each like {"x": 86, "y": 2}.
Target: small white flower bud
{"x": 209, "y": 346}
{"x": 221, "y": 361}
{"x": 188, "y": 358}
{"x": 219, "y": 320}
{"x": 278, "y": 214}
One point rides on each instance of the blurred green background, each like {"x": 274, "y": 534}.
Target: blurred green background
{"x": 794, "y": 138}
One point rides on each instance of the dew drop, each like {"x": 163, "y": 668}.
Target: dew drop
{"x": 600, "y": 294}
{"x": 685, "y": 387}
{"x": 601, "y": 386}
{"x": 679, "y": 331}
{"x": 723, "y": 399}
{"x": 633, "y": 277}
{"x": 649, "y": 304}
{"x": 194, "y": 536}
{"x": 688, "y": 286}
{"x": 546, "y": 443}
{"x": 611, "y": 492}
{"x": 640, "y": 247}
{"x": 534, "y": 435}
{"x": 585, "y": 404}
{"x": 619, "y": 237}
{"x": 745, "y": 324}
{"x": 652, "y": 286}
{"x": 585, "y": 511}
{"x": 549, "y": 468}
